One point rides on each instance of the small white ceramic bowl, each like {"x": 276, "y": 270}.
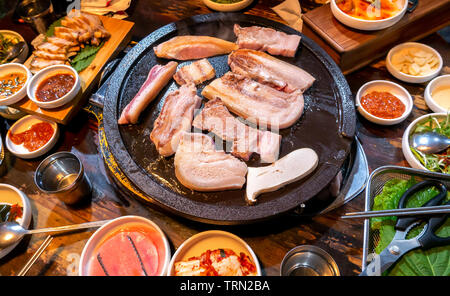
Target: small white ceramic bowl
{"x": 24, "y": 54}
{"x": 440, "y": 81}
{"x": 103, "y": 231}
{"x": 227, "y": 7}
{"x": 411, "y": 78}
{"x": 50, "y": 71}
{"x": 366, "y": 25}
{"x": 15, "y": 197}
{"x": 412, "y": 160}
{"x": 383, "y": 85}
{"x": 6, "y": 69}
{"x": 211, "y": 240}
{"x": 24, "y": 124}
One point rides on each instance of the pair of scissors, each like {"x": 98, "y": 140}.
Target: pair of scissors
{"x": 426, "y": 239}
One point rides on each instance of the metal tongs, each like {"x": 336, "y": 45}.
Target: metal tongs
{"x": 426, "y": 239}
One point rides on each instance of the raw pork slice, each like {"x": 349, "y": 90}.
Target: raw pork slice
{"x": 175, "y": 117}
{"x": 269, "y": 70}
{"x": 216, "y": 118}
{"x": 197, "y": 72}
{"x": 157, "y": 78}
{"x": 193, "y": 47}
{"x": 256, "y": 102}
{"x": 200, "y": 167}
{"x": 266, "y": 39}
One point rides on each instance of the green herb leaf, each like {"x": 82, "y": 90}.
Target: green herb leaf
{"x": 51, "y": 29}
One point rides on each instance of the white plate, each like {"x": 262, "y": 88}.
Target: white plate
{"x": 6, "y": 69}
{"x": 18, "y": 198}
{"x": 411, "y": 78}
{"x": 412, "y": 160}
{"x": 24, "y": 54}
{"x": 367, "y": 25}
{"x": 227, "y": 7}
{"x": 103, "y": 231}
{"x": 49, "y": 71}
{"x": 383, "y": 85}
{"x": 24, "y": 124}
{"x": 211, "y": 240}
{"x": 438, "y": 81}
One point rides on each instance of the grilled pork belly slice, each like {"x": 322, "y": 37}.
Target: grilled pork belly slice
{"x": 51, "y": 48}
{"x": 196, "y": 72}
{"x": 266, "y": 39}
{"x": 269, "y": 70}
{"x": 216, "y": 118}
{"x": 256, "y": 102}
{"x": 63, "y": 43}
{"x": 175, "y": 117}
{"x": 50, "y": 56}
{"x": 200, "y": 167}
{"x": 193, "y": 47}
{"x": 157, "y": 78}
{"x": 292, "y": 167}
{"x": 66, "y": 33}
{"x": 38, "y": 64}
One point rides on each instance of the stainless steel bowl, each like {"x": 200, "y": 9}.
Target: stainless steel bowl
{"x": 62, "y": 175}
{"x": 308, "y": 261}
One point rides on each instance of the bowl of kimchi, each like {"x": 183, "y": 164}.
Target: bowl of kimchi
{"x": 368, "y": 15}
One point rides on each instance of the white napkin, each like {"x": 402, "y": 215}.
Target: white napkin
{"x": 291, "y": 12}
{"x": 102, "y": 7}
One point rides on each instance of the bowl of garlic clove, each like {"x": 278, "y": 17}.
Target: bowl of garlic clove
{"x": 414, "y": 62}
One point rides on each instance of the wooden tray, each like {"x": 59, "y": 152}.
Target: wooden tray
{"x": 352, "y": 49}
{"x": 120, "y": 36}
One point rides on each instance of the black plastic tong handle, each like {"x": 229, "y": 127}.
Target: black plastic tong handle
{"x": 429, "y": 239}
{"x": 405, "y": 222}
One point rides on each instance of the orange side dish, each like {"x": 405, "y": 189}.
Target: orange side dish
{"x": 11, "y": 84}
{"x": 35, "y": 137}
{"x": 383, "y": 105}
{"x": 369, "y": 10}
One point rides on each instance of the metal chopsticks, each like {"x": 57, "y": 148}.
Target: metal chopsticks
{"x": 400, "y": 212}
{"x": 35, "y": 256}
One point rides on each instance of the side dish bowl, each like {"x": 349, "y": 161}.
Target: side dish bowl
{"x": 227, "y": 7}
{"x": 11, "y": 195}
{"x": 366, "y": 25}
{"x": 24, "y": 54}
{"x": 383, "y": 85}
{"x": 406, "y": 146}
{"x": 411, "y": 78}
{"x": 24, "y": 124}
{"x": 211, "y": 240}
{"x": 47, "y": 72}
{"x": 9, "y": 68}
{"x": 440, "y": 81}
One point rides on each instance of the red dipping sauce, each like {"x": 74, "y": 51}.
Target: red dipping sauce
{"x": 34, "y": 138}
{"x": 383, "y": 105}
{"x": 132, "y": 249}
{"x": 54, "y": 87}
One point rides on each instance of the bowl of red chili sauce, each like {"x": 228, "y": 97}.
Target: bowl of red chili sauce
{"x": 384, "y": 102}
{"x": 31, "y": 137}
{"x": 54, "y": 86}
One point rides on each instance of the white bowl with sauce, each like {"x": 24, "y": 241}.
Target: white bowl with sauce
{"x": 227, "y": 7}
{"x": 211, "y": 240}
{"x": 408, "y": 77}
{"x": 48, "y": 72}
{"x": 11, "y": 195}
{"x": 437, "y": 94}
{"x": 367, "y": 25}
{"x": 23, "y": 125}
{"x": 384, "y": 86}
{"x": 11, "y": 68}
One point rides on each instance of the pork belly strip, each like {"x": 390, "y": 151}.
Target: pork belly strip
{"x": 200, "y": 167}
{"x": 175, "y": 117}
{"x": 269, "y": 70}
{"x": 38, "y": 64}
{"x": 267, "y": 39}
{"x": 50, "y": 56}
{"x": 256, "y": 102}
{"x": 157, "y": 78}
{"x": 196, "y": 72}
{"x": 216, "y": 118}
{"x": 193, "y": 47}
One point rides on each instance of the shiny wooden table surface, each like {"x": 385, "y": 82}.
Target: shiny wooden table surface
{"x": 270, "y": 240}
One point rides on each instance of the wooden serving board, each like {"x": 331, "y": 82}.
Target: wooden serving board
{"x": 353, "y": 49}
{"x": 120, "y": 37}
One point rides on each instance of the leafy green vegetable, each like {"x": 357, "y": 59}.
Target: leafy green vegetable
{"x": 435, "y": 261}
{"x": 82, "y": 64}
{"x": 51, "y": 29}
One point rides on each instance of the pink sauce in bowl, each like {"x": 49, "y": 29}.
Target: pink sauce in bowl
{"x": 126, "y": 247}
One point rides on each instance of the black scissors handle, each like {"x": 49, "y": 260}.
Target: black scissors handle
{"x": 405, "y": 222}
{"x": 429, "y": 239}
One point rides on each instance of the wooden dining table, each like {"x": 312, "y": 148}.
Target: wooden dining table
{"x": 270, "y": 240}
